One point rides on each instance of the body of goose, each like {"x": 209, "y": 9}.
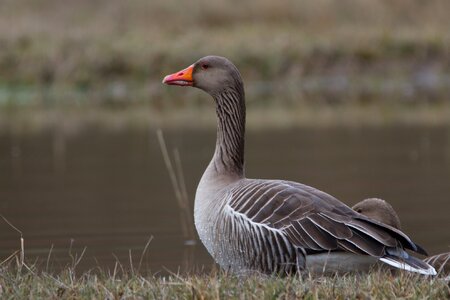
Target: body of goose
{"x": 381, "y": 210}
{"x": 275, "y": 226}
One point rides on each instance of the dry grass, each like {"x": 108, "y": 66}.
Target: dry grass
{"x": 20, "y": 279}
{"x": 15, "y": 284}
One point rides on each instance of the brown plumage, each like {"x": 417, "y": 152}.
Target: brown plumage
{"x": 275, "y": 226}
{"x": 380, "y": 210}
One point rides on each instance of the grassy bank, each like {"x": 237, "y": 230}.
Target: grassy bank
{"x": 86, "y": 43}
{"x": 26, "y": 119}
{"x": 363, "y": 61}
{"x": 119, "y": 48}
{"x": 68, "y": 284}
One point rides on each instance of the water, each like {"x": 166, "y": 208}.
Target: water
{"x": 108, "y": 191}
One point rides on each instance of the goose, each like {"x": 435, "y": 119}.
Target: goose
{"x": 275, "y": 226}
{"x": 381, "y": 210}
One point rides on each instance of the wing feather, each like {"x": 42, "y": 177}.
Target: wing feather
{"x": 337, "y": 229}
{"x": 322, "y": 238}
{"x": 313, "y": 220}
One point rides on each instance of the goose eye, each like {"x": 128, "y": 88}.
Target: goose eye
{"x": 205, "y": 66}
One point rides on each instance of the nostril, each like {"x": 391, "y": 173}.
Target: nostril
{"x": 180, "y": 74}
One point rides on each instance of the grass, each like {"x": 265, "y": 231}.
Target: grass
{"x": 31, "y": 283}
{"x": 22, "y": 279}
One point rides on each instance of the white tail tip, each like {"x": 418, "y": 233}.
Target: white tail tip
{"x": 406, "y": 267}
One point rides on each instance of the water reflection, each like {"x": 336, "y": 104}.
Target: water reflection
{"x": 110, "y": 191}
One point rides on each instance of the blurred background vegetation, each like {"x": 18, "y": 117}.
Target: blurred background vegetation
{"x": 302, "y": 61}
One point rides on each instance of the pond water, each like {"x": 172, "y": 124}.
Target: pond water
{"x": 102, "y": 194}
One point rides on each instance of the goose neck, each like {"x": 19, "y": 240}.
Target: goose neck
{"x": 229, "y": 154}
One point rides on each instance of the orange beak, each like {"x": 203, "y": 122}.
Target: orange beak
{"x": 183, "y": 77}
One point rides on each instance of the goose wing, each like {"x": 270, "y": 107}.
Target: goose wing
{"x": 314, "y": 220}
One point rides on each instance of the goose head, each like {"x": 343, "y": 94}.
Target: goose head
{"x": 379, "y": 210}
{"x": 213, "y": 74}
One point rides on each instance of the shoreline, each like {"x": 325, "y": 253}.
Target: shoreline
{"x": 28, "y": 119}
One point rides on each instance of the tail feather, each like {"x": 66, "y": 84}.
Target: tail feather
{"x": 409, "y": 263}
{"x": 421, "y": 250}
{"x": 406, "y": 242}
